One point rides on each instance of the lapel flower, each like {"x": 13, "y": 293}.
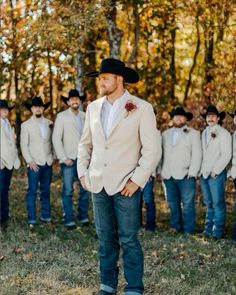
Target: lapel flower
{"x": 186, "y": 130}
{"x": 130, "y": 106}
{"x": 50, "y": 126}
{"x": 213, "y": 134}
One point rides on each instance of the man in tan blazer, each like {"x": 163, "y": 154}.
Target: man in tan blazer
{"x": 233, "y": 172}
{"x": 66, "y": 135}
{"x": 217, "y": 152}
{"x": 36, "y": 147}
{"x": 116, "y": 155}
{"x": 181, "y": 163}
{"x": 8, "y": 158}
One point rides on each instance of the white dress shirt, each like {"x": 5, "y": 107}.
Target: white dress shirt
{"x": 176, "y": 133}
{"x": 109, "y": 112}
{"x": 43, "y": 128}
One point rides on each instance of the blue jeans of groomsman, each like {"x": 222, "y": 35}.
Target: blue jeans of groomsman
{"x": 69, "y": 175}
{"x": 234, "y": 226}
{"x": 5, "y": 181}
{"x": 180, "y": 194}
{"x": 42, "y": 179}
{"x": 148, "y": 197}
{"x": 213, "y": 189}
{"x": 117, "y": 221}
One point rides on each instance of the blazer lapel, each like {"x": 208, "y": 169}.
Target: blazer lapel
{"x": 120, "y": 113}
{"x": 99, "y": 114}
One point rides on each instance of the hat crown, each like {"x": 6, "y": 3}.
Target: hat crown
{"x": 212, "y": 109}
{"x": 109, "y": 63}
{"x": 3, "y": 104}
{"x": 74, "y": 93}
{"x": 37, "y": 101}
{"x": 179, "y": 111}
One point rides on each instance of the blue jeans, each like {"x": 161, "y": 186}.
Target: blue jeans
{"x": 117, "y": 223}
{"x": 148, "y": 197}
{"x": 213, "y": 190}
{"x": 69, "y": 174}
{"x": 42, "y": 178}
{"x": 181, "y": 191}
{"x": 5, "y": 181}
{"x": 234, "y": 226}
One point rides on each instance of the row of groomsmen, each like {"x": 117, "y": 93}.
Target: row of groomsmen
{"x": 185, "y": 155}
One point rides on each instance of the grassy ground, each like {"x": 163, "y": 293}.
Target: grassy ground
{"x": 52, "y": 260}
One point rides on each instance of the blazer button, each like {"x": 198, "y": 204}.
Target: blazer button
{"x": 105, "y": 165}
{"x": 106, "y": 148}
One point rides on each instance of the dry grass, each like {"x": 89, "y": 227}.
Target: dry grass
{"x": 52, "y": 260}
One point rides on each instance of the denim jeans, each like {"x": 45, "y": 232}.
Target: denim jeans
{"x": 213, "y": 190}
{"x": 148, "y": 197}
{"x": 69, "y": 174}
{"x": 5, "y": 181}
{"x": 117, "y": 223}
{"x": 181, "y": 192}
{"x": 234, "y": 226}
{"x": 42, "y": 178}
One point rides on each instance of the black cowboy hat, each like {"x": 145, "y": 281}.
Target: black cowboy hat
{"x": 4, "y": 105}
{"x": 73, "y": 93}
{"x": 117, "y": 67}
{"x": 233, "y": 114}
{"x": 36, "y": 102}
{"x": 181, "y": 112}
{"x": 211, "y": 109}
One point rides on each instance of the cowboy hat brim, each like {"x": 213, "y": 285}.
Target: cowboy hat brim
{"x": 129, "y": 75}
{"x": 65, "y": 98}
{"x": 188, "y": 115}
{"x": 29, "y": 105}
{"x": 221, "y": 115}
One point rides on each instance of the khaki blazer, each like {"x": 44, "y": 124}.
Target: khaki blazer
{"x": 66, "y": 136}
{"x": 33, "y": 146}
{"x": 8, "y": 151}
{"x": 184, "y": 158}
{"x": 130, "y": 151}
{"x": 233, "y": 168}
{"x": 217, "y": 152}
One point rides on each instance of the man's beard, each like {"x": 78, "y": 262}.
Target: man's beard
{"x": 179, "y": 125}
{"x": 105, "y": 92}
{"x": 38, "y": 115}
{"x": 75, "y": 107}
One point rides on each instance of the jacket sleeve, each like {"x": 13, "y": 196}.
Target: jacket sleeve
{"x": 196, "y": 158}
{"x": 24, "y": 143}
{"x": 84, "y": 147}
{"x": 149, "y": 147}
{"x": 57, "y": 139}
{"x": 226, "y": 153}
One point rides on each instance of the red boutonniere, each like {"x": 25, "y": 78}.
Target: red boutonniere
{"x": 213, "y": 135}
{"x": 130, "y": 106}
{"x": 186, "y": 130}
{"x": 50, "y": 126}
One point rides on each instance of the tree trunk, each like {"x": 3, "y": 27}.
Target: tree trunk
{"x": 194, "y": 58}
{"x": 136, "y": 34}
{"x": 50, "y": 81}
{"x": 80, "y": 69}
{"x": 114, "y": 33}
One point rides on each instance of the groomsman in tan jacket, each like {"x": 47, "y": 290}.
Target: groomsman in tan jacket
{"x": 67, "y": 132}
{"x": 233, "y": 171}
{"x": 8, "y": 158}
{"x": 36, "y": 147}
{"x": 182, "y": 156}
{"x": 116, "y": 156}
{"x": 217, "y": 152}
